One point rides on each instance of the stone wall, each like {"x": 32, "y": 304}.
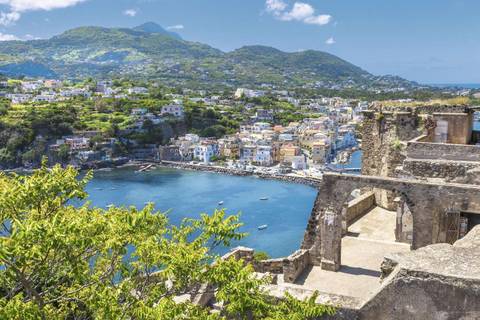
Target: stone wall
{"x": 459, "y": 126}
{"x": 240, "y": 253}
{"x": 295, "y": 264}
{"x": 436, "y": 282}
{"x": 291, "y": 266}
{"x": 387, "y": 128}
{"x": 443, "y": 151}
{"x": 359, "y": 207}
{"x": 447, "y": 169}
{"x": 270, "y": 265}
{"x": 382, "y": 154}
{"x": 427, "y": 201}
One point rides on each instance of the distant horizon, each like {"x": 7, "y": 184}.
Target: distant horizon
{"x": 465, "y": 85}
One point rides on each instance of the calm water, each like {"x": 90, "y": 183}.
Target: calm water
{"x": 457, "y": 85}
{"x": 189, "y": 193}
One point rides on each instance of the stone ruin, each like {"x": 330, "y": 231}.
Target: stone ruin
{"x": 420, "y": 170}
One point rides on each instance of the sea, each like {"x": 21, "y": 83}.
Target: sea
{"x": 456, "y": 85}
{"x": 186, "y": 194}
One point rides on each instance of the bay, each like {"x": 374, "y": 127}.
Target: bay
{"x": 188, "y": 193}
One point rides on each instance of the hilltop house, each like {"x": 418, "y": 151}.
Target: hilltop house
{"x": 173, "y": 109}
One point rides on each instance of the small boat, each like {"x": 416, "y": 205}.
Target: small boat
{"x": 264, "y": 198}
{"x": 145, "y": 168}
{"x": 98, "y": 188}
{"x": 110, "y": 205}
{"x": 262, "y": 227}
{"x": 220, "y": 203}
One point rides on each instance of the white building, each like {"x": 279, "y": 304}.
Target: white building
{"x": 19, "y": 98}
{"x": 247, "y": 153}
{"x": 299, "y": 163}
{"x": 263, "y": 156}
{"x": 173, "y": 109}
{"x": 138, "y": 90}
{"x": 205, "y": 151}
{"x": 29, "y": 86}
{"x": 248, "y": 93}
{"x": 258, "y": 127}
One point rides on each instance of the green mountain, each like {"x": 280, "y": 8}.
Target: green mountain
{"x": 152, "y": 27}
{"x": 150, "y": 52}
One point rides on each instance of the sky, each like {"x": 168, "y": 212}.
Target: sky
{"x": 429, "y": 41}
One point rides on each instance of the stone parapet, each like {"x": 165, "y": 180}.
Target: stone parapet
{"x": 440, "y": 281}
{"x": 295, "y": 264}
{"x": 444, "y": 169}
{"x": 442, "y": 151}
{"x": 274, "y": 266}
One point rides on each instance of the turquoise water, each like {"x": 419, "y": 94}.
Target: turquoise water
{"x": 189, "y": 193}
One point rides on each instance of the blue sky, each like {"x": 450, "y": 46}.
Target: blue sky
{"x": 431, "y": 41}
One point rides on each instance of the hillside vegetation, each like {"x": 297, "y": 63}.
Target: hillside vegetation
{"x": 150, "y": 52}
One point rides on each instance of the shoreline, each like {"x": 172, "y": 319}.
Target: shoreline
{"x": 234, "y": 172}
{"x": 220, "y": 170}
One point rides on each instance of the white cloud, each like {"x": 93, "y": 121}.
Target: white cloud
{"x": 176, "y": 27}
{"x": 7, "y": 19}
{"x": 300, "y": 11}
{"x": 320, "y": 20}
{"x": 130, "y": 12}
{"x": 7, "y": 37}
{"x": 330, "y": 41}
{"x": 29, "y": 5}
{"x": 275, "y": 6}
{"x": 19, "y": 6}
{"x": 30, "y": 37}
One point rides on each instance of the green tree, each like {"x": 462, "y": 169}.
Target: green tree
{"x": 60, "y": 261}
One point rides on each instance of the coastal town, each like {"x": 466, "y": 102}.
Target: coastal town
{"x": 322, "y": 137}
{"x": 248, "y": 160}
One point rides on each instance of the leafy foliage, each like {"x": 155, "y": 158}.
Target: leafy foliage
{"x": 60, "y": 261}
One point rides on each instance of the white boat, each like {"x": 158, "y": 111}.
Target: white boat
{"x": 220, "y": 203}
{"x": 262, "y": 227}
{"x": 110, "y": 205}
{"x": 264, "y": 198}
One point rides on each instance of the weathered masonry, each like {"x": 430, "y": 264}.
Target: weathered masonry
{"x": 432, "y": 207}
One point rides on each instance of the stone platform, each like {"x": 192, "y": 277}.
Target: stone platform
{"x": 369, "y": 239}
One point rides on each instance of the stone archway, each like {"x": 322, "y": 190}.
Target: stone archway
{"x": 427, "y": 203}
